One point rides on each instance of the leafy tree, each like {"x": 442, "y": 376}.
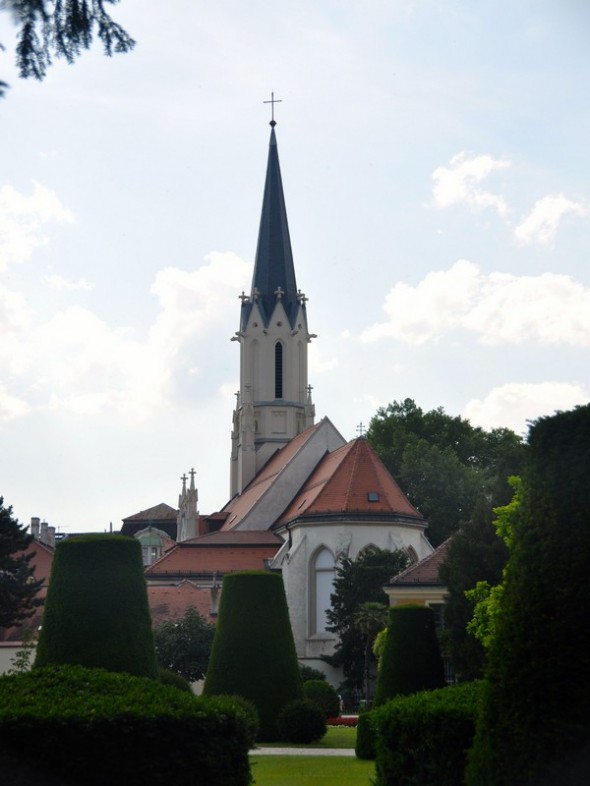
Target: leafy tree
{"x": 534, "y": 724}
{"x": 62, "y": 28}
{"x": 18, "y": 585}
{"x": 443, "y": 463}
{"x": 369, "y": 619}
{"x": 184, "y": 645}
{"x": 357, "y": 582}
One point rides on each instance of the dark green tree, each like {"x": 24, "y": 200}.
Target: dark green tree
{"x": 443, "y": 463}
{"x": 534, "y": 725}
{"x": 96, "y": 611}
{"x": 253, "y": 654}
{"x": 18, "y": 584}
{"x": 61, "y": 28}
{"x": 411, "y": 659}
{"x": 475, "y": 553}
{"x": 184, "y": 645}
{"x": 357, "y": 582}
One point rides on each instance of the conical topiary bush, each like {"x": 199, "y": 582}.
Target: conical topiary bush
{"x": 96, "y": 611}
{"x": 253, "y": 652}
{"x": 411, "y": 660}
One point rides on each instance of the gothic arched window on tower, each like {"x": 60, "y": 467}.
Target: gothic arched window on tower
{"x": 278, "y": 370}
{"x": 322, "y": 582}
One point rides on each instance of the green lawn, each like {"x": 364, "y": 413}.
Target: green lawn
{"x": 336, "y": 737}
{"x": 311, "y": 771}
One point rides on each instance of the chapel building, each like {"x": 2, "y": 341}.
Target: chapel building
{"x": 301, "y": 496}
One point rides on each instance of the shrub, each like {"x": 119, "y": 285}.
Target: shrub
{"x": 76, "y": 725}
{"x": 253, "y": 653}
{"x": 324, "y": 695}
{"x": 96, "y": 611}
{"x": 365, "y": 737}
{"x": 422, "y": 739}
{"x": 174, "y": 679}
{"x": 535, "y": 718}
{"x": 411, "y": 659}
{"x": 302, "y": 721}
{"x": 309, "y": 673}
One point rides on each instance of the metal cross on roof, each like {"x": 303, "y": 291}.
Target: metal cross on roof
{"x": 360, "y": 429}
{"x": 272, "y": 102}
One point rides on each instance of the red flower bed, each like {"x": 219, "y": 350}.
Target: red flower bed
{"x": 348, "y": 720}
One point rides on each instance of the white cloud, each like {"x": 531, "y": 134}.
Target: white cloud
{"x": 11, "y": 407}
{"x": 63, "y": 284}
{"x": 541, "y": 224}
{"x": 78, "y": 363}
{"x": 501, "y": 308}
{"x": 22, "y": 219}
{"x": 459, "y": 182}
{"x": 319, "y": 363}
{"x": 513, "y": 404}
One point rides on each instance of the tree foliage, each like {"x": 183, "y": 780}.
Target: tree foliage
{"x": 358, "y": 582}
{"x": 184, "y": 645}
{"x": 18, "y": 585}
{"x": 534, "y": 725}
{"x": 443, "y": 463}
{"x": 61, "y": 28}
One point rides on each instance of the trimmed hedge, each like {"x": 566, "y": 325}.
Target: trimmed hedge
{"x": 411, "y": 659}
{"x": 423, "y": 739}
{"x": 365, "y": 737}
{"x": 253, "y": 653}
{"x": 534, "y": 726}
{"x": 324, "y": 695}
{"x": 96, "y": 611}
{"x": 301, "y": 721}
{"x": 70, "y": 725}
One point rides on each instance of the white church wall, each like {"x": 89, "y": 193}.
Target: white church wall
{"x": 340, "y": 539}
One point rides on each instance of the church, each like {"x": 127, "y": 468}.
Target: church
{"x": 302, "y": 497}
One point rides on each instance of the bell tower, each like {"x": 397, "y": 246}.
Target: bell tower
{"x": 274, "y": 400}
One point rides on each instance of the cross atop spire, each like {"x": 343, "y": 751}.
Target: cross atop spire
{"x": 272, "y": 102}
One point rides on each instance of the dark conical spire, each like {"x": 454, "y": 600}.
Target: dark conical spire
{"x": 274, "y": 272}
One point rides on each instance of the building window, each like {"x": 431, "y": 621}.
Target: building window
{"x": 323, "y": 574}
{"x": 278, "y": 370}
{"x": 373, "y": 496}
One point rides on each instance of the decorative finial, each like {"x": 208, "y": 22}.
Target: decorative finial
{"x": 360, "y": 429}
{"x": 272, "y": 102}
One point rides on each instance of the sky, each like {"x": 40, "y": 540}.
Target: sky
{"x": 435, "y": 163}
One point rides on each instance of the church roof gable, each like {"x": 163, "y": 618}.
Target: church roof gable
{"x": 271, "y": 490}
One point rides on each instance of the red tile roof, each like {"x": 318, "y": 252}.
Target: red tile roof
{"x": 424, "y": 572}
{"x": 159, "y": 512}
{"x": 350, "y": 480}
{"x": 218, "y": 552}
{"x": 171, "y": 602}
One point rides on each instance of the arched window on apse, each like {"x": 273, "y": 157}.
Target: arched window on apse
{"x": 323, "y": 573}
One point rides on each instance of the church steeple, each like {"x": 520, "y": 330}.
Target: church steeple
{"x": 274, "y": 401}
{"x": 274, "y": 272}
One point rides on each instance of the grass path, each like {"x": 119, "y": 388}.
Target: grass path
{"x": 311, "y": 771}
